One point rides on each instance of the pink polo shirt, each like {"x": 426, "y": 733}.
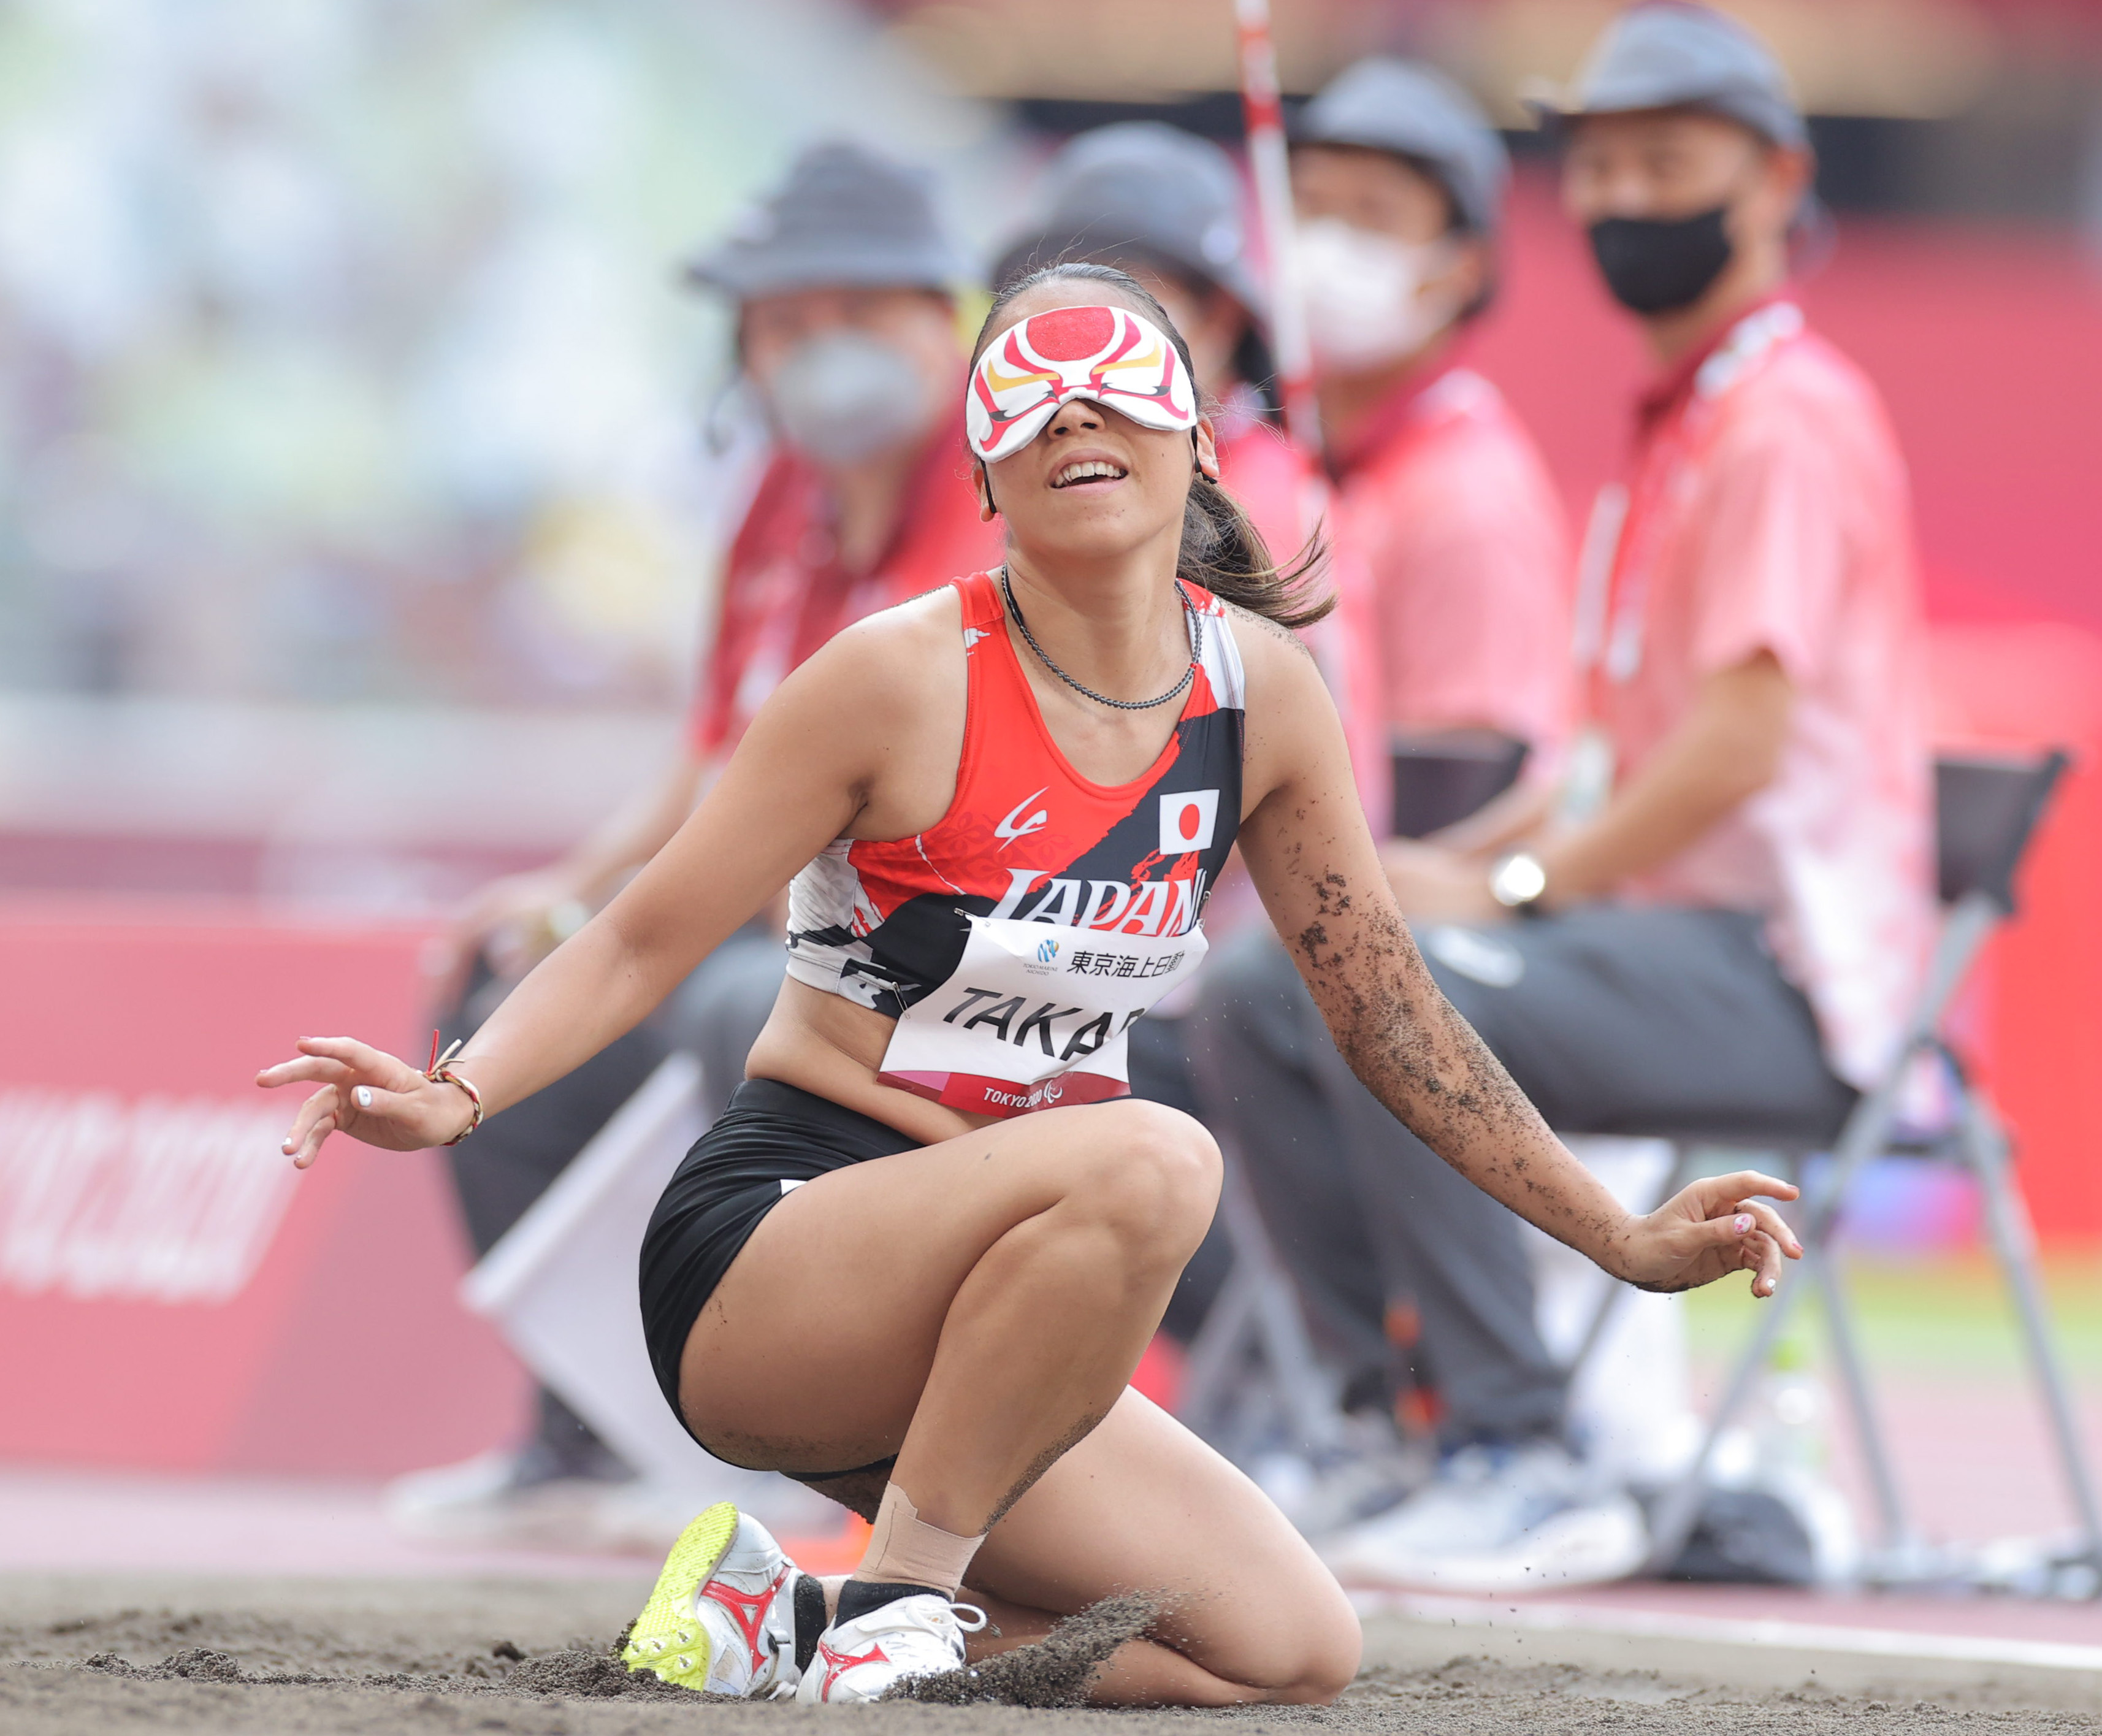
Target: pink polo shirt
{"x": 1766, "y": 508}
{"x": 1448, "y": 509}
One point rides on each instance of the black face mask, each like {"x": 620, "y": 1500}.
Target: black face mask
{"x": 1653, "y": 266}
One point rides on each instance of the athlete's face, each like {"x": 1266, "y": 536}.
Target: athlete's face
{"x": 1094, "y": 485}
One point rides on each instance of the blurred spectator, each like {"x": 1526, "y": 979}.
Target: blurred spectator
{"x": 847, "y": 331}
{"x": 378, "y": 289}
{"x": 1453, "y": 561}
{"x": 1726, "y": 918}
{"x": 1400, "y": 183}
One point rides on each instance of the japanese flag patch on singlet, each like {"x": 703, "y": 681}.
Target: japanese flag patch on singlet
{"x": 1017, "y": 941}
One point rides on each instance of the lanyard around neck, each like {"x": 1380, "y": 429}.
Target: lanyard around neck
{"x": 1614, "y": 567}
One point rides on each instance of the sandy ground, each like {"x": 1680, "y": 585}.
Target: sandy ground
{"x": 80, "y": 1655}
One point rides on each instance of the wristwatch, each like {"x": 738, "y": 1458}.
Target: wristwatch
{"x": 1517, "y": 881}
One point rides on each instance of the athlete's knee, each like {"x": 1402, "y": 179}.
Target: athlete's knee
{"x": 1326, "y": 1649}
{"x": 1150, "y": 1173}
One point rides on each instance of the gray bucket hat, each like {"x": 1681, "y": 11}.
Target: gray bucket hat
{"x": 844, "y": 215}
{"x": 1671, "y": 54}
{"x": 1146, "y": 185}
{"x": 1415, "y": 111}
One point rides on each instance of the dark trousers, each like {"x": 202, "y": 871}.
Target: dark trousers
{"x": 1612, "y": 1020}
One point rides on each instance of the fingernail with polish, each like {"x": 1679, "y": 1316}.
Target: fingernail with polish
{"x": 1743, "y": 1225}
{"x": 363, "y": 1094}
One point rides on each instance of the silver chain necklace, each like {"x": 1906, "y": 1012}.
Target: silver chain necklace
{"x": 1196, "y": 652}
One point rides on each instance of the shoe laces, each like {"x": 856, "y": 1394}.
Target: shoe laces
{"x": 969, "y": 1617}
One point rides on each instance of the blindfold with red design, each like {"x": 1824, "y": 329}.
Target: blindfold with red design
{"x": 1113, "y": 357}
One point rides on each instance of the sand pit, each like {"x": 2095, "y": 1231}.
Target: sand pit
{"x": 232, "y": 1657}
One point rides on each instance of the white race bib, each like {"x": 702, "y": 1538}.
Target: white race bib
{"x": 1034, "y": 1015}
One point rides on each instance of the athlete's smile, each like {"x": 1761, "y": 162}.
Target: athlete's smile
{"x": 1089, "y": 470}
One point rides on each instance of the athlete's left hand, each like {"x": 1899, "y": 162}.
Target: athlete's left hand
{"x": 1708, "y": 1231}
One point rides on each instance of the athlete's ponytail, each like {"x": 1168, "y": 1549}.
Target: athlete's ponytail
{"x": 1221, "y": 549}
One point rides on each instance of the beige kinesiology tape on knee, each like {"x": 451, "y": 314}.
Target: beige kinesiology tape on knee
{"x": 904, "y": 1549}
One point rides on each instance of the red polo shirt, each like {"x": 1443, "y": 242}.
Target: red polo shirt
{"x": 784, "y": 592}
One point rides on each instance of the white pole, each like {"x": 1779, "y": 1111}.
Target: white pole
{"x": 1271, "y": 170}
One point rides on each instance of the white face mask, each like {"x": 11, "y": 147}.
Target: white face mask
{"x": 1367, "y": 305}
{"x": 846, "y": 397}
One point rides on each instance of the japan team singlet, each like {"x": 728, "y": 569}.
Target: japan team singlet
{"x": 1019, "y": 939}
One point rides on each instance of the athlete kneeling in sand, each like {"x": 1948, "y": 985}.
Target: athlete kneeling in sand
{"x": 916, "y": 1261}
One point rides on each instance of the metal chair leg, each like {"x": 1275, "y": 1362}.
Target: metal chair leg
{"x": 1258, "y": 1314}
{"x": 1672, "y": 1521}
{"x": 1866, "y": 1133}
{"x": 1308, "y": 1395}
{"x": 1899, "y": 1541}
{"x": 1219, "y": 1350}
{"x": 1680, "y": 1505}
{"x": 1984, "y": 1146}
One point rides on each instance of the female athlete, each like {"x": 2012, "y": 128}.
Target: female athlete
{"x": 916, "y": 1261}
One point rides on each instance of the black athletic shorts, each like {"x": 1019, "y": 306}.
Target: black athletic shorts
{"x": 770, "y": 1138}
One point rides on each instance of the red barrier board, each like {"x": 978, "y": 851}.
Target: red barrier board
{"x": 173, "y": 1295}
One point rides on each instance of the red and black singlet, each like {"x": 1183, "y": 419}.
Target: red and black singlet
{"x": 1019, "y": 938}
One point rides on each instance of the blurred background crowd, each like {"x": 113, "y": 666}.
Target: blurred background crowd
{"x": 348, "y": 363}
{"x": 410, "y": 485}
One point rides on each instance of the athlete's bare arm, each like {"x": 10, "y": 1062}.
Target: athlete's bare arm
{"x": 1313, "y": 861}
{"x": 862, "y": 740}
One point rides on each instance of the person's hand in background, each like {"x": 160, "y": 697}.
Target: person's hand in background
{"x": 519, "y": 919}
{"x": 1433, "y": 884}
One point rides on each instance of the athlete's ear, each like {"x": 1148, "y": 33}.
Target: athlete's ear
{"x": 1205, "y": 449}
{"x": 987, "y": 512}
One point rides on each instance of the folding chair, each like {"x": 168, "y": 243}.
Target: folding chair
{"x": 1987, "y": 812}
{"x": 1440, "y": 777}
{"x": 1254, "y": 1379}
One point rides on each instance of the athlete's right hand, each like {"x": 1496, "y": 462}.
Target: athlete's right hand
{"x": 368, "y": 1094}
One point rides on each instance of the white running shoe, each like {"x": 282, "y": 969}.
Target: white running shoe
{"x": 922, "y": 1634}
{"x": 722, "y": 1619}
{"x": 1495, "y": 1520}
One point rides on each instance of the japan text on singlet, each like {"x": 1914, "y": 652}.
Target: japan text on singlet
{"x": 1019, "y": 938}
